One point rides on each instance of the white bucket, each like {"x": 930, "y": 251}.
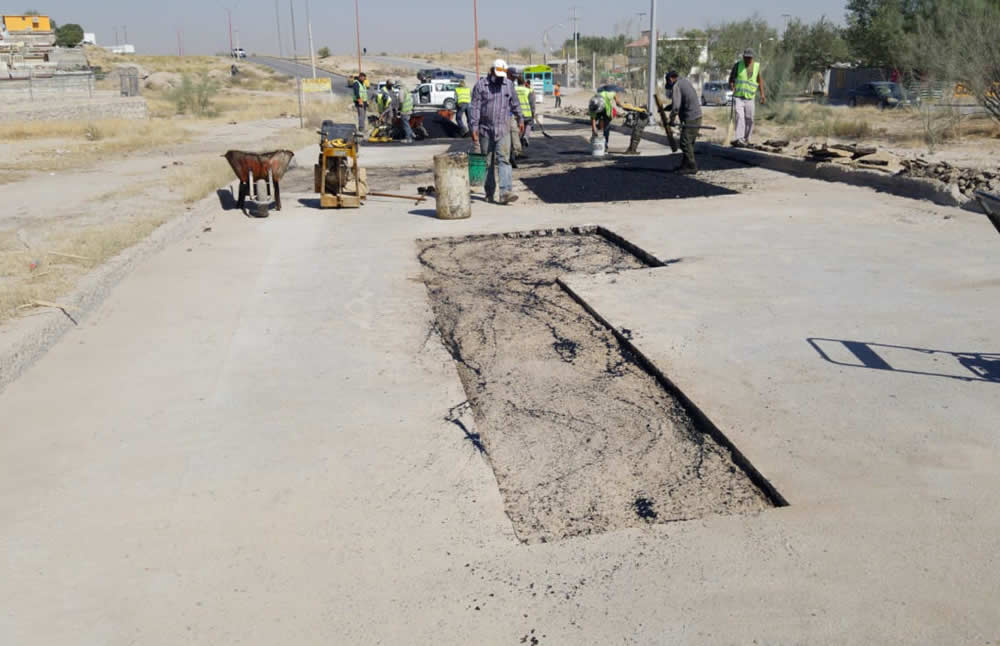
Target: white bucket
{"x": 597, "y": 148}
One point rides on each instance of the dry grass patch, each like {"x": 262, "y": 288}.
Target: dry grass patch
{"x": 57, "y": 259}
{"x": 77, "y": 144}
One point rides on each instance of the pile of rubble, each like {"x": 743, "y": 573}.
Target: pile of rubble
{"x": 968, "y": 180}
{"x": 573, "y": 111}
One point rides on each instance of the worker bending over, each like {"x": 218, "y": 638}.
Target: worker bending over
{"x": 602, "y": 111}
{"x": 687, "y": 106}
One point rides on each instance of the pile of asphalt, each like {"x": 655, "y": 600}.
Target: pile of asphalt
{"x": 582, "y": 439}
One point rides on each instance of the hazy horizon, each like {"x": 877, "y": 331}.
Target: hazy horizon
{"x": 434, "y": 25}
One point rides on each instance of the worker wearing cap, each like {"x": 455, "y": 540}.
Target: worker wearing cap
{"x": 494, "y": 99}
{"x": 361, "y": 101}
{"x": 402, "y": 105}
{"x": 526, "y": 97}
{"x": 602, "y": 111}
{"x": 745, "y": 80}
{"x": 463, "y": 97}
{"x": 687, "y": 106}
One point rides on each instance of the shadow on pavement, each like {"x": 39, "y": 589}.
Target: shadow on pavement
{"x": 964, "y": 366}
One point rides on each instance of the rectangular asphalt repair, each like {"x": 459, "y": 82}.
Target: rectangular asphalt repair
{"x": 581, "y": 438}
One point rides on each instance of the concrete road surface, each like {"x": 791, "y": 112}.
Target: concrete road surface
{"x": 303, "y": 70}
{"x": 253, "y": 440}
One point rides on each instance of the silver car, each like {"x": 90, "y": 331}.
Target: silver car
{"x": 716, "y": 93}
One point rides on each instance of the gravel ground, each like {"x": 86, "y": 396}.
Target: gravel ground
{"x": 581, "y": 438}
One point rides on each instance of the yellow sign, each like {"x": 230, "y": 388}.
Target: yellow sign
{"x": 316, "y": 85}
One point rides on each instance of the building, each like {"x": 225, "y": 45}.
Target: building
{"x": 15, "y": 25}
{"x": 638, "y": 59}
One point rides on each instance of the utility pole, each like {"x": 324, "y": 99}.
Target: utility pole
{"x": 116, "y": 35}
{"x": 295, "y": 45}
{"x": 653, "y": 37}
{"x": 357, "y": 31}
{"x": 180, "y": 48}
{"x": 475, "y": 22}
{"x": 576, "y": 50}
{"x": 277, "y": 26}
{"x": 312, "y": 48}
{"x": 229, "y": 15}
{"x": 125, "y": 29}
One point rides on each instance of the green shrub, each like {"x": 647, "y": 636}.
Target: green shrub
{"x": 194, "y": 96}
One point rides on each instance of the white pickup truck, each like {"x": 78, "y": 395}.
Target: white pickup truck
{"x": 436, "y": 94}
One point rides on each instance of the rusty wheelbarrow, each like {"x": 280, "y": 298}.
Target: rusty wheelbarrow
{"x": 259, "y": 175}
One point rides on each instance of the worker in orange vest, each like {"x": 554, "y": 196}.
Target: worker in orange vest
{"x": 558, "y": 93}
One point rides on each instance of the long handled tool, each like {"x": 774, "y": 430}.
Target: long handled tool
{"x": 732, "y": 121}
{"x": 666, "y": 125}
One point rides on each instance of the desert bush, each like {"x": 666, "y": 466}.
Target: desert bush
{"x": 194, "y": 96}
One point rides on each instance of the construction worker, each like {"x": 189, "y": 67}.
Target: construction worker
{"x": 463, "y": 97}
{"x": 745, "y": 80}
{"x": 494, "y": 99}
{"x": 383, "y": 100}
{"x": 558, "y": 95}
{"x": 526, "y": 96}
{"x": 361, "y": 101}
{"x": 403, "y": 104}
{"x": 687, "y": 106}
{"x": 602, "y": 111}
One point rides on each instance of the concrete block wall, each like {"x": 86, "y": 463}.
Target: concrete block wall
{"x": 23, "y": 89}
{"x": 134, "y": 108}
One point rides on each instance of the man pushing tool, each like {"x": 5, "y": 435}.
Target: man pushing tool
{"x": 687, "y": 106}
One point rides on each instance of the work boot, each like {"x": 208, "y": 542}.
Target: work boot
{"x": 687, "y": 171}
{"x": 513, "y": 162}
{"x": 507, "y": 198}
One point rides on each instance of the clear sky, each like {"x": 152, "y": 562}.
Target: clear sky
{"x": 394, "y": 26}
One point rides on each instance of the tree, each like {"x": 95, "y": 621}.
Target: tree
{"x": 484, "y": 43}
{"x": 69, "y": 35}
{"x": 31, "y": 12}
{"x": 814, "y": 47}
{"x": 728, "y": 40}
{"x": 324, "y": 52}
{"x": 959, "y": 42}
{"x": 681, "y": 55}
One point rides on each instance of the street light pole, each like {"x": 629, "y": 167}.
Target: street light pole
{"x": 229, "y": 15}
{"x": 295, "y": 44}
{"x": 357, "y": 31}
{"x": 475, "y": 21}
{"x": 277, "y": 26}
{"x": 653, "y": 37}
{"x": 312, "y": 48}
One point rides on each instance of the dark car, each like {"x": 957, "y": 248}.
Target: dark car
{"x": 883, "y": 94}
{"x": 447, "y": 75}
{"x": 424, "y": 76}
{"x": 611, "y": 87}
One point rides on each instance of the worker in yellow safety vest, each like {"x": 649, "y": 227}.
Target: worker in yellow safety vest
{"x": 745, "y": 81}
{"x": 602, "y": 111}
{"x": 361, "y": 101}
{"x": 463, "y": 97}
{"x": 383, "y": 100}
{"x": 527, "y": 98}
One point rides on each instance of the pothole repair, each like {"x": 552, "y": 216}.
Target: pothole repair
{"x": 581, "y": 437}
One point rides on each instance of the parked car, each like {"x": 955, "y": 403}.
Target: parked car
{"x": 883, "y": 94}
{"x": 239, "y": 52}
{"x": 425, "y": 76}
{"x": 611, "y": 87}
{"x": 437, "y": 93}
{"x": 447, "y": 75}
{"x": 716, "y": 93}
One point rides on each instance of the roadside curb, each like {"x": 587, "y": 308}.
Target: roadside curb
{"x": 26, "y": 340}
{"x": 911, "y": 187}
{"x": 916, "y": 188}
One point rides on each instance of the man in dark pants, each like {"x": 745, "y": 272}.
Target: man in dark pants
{"x": 687, "y": 106}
